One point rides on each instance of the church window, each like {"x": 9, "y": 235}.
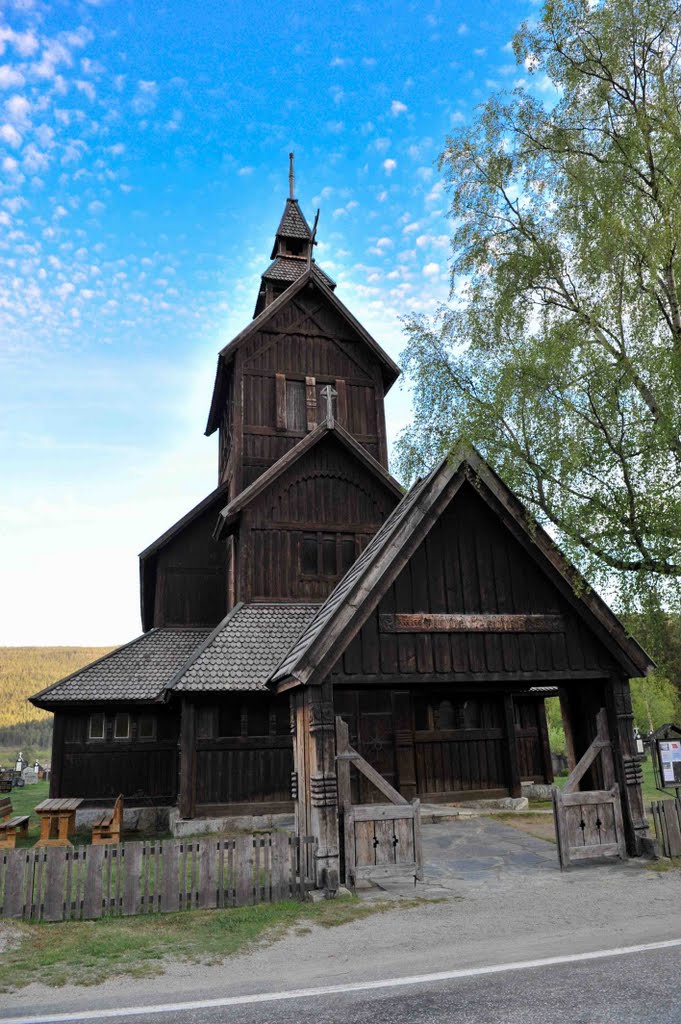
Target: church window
{"x": 327, "y": 554}
{"x": 96, "y": 726}
{"x": 295, "y": 405}
{"x": 146, "y": 727}
{"x": 122, "y": 726}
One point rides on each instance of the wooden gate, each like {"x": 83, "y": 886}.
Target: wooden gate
{"x": 377, "y": 840}
{"x": 589, "y": 823}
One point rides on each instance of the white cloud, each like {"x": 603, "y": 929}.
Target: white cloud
{"x": 431, "y": 270}
{"x": 87, "y": 89}
{"x": 10, "y": 135}
{"x": 10, "y": 78}
{"x": 462, "y": 30}
{"x": 34, "y": 159}
{"x": 245, "y": 171}
{"x": 389, "y": 165}
{"x": 397, "y": 108}
{"x": 146, "y": 98}
{"x": 17, "y": 109}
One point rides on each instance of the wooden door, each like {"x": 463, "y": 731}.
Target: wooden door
{"x": 376, "y": 737}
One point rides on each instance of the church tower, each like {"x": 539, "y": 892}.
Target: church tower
{"x": 303, "y": 479}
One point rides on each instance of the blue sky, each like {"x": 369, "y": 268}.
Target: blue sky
{"x": 143, "y": 170}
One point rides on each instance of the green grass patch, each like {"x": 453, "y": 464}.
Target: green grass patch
{"x": 89, "y": 952}
{"x": 665, "y": 864}
{"x": 24, "y": 799}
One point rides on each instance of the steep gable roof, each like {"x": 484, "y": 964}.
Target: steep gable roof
{"x": 327, "y": 428}
{"x": 360, "y": 590}
{"x": 312, "y": 276}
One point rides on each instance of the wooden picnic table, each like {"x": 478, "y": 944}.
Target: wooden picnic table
{"x": 57, "y": 820}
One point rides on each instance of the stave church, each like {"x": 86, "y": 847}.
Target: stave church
{"x": 308, "y": 585}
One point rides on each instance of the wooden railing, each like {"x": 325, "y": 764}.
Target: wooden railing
{"x": 156, "y": 876}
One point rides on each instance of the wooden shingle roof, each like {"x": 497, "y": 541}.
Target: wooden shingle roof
{"x": 292, "y": 223}
{"x": 242, "y": 651}
{"x": 138, "y": 671}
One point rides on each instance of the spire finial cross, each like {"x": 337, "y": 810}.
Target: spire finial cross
{"x": 329, "y": 393}
{"x": 291, "y": 178}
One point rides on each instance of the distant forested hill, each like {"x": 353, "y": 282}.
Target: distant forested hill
{"x": 23, "y": 671}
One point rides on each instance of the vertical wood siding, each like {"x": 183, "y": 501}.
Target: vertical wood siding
{"x": 470, "y": 563}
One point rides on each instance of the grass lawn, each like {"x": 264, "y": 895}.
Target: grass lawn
{"x": 88, "y": 952}
{"x": 24, "y": 800}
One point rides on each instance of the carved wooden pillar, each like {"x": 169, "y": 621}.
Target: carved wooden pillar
{"x": 628, "y": 769}
{"x": 315, "y": 767}
{"x": 404, "y": 744}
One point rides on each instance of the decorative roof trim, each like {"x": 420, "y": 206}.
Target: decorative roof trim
{"x": 326, "y": 428}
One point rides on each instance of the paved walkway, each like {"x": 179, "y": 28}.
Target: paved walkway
{"x": 472, "y": 851}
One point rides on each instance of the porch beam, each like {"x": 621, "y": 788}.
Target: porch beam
{"x": 420, "y": 622}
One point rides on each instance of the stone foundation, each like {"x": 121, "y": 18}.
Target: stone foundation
{"x": 181, "y": 827}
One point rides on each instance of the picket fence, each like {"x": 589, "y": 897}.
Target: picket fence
{"x": 667, "y": 819}
{"x": 153, "y": 876}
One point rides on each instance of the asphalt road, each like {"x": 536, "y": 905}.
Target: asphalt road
{"x": 632, "y": 988}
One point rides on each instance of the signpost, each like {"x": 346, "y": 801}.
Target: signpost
{"x": 668, "y": 748}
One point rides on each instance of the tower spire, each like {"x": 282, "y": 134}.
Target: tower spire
{"x": 291, "y": 178}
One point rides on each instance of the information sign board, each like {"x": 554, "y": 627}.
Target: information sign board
{"x": 669, "y": 755}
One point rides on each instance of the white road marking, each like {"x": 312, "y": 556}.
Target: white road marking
{"x": 327, "y": 990}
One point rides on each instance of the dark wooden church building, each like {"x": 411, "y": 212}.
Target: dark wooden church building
{"x": 308, "y": 585}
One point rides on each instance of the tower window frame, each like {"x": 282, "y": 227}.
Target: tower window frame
{"x": 325, "y": 555}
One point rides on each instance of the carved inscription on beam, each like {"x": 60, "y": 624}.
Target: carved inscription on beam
{"x": 422, "y": 622}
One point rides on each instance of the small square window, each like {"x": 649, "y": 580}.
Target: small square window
{"x": 122, "y": 726}
{"x": 96, "y": 728}
{"x": 146, "y": 727}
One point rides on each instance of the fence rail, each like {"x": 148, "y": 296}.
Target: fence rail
{"x": 667, "y": 818}
{"x": 156, "y": 876}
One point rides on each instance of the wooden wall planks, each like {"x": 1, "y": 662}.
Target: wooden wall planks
{"x": 469, "y": 564}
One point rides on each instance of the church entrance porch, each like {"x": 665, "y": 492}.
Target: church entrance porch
{"x": 447, "y": 744}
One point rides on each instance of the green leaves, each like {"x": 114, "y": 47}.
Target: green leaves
{"x": 561, "y": 356}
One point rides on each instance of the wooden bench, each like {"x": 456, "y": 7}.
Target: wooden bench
{"x": 107, "y": 829}
{"x": 11, "y": 827}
